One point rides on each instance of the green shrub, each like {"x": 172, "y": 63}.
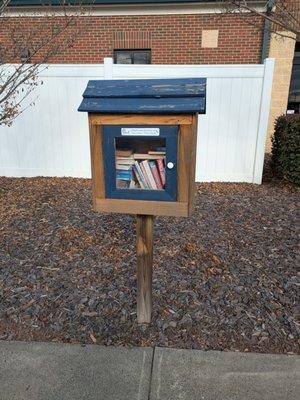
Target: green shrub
{"x": 286, "y": 148}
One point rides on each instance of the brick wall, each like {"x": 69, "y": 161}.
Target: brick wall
{"x": 173, "y": 39}
{"x": 282, "y": 48}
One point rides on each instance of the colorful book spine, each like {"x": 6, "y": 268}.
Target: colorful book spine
{"x": 155, "y": 174}
{"x": 156, "y": 153}
{"x": 121, "y": 184}
{"x": 125, "y": 175}
{"x": 123, "y": 167}
{"x": 125, "y": 160}
{"x": 139, "y": 177}
{"x": 146, "y": 156}
{"x": 162, "y": 172}
{"x": 145, "y": 176}
{"x": 142, "y": 175}
{"x": 150, "y": 178}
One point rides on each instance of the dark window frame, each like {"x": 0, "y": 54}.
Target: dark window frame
{"x": 167, "y": 132}
{"x": 132, "y": 51}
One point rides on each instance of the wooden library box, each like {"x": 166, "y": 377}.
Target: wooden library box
{"x": 143, "y": 137}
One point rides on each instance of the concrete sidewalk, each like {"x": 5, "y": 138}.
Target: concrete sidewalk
{"x": 49, "y": 371}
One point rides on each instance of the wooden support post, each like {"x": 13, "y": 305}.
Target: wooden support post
{"x": 144, "y": 230}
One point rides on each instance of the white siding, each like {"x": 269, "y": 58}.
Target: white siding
{"x": 51, "y": 138}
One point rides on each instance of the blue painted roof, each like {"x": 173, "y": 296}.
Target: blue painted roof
{"x": 186, "y": 95}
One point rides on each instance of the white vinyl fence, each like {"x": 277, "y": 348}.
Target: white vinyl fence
{"x": 51, "y": 137}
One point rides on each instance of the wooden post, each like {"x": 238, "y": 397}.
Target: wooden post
{"x": 144, "y": 246}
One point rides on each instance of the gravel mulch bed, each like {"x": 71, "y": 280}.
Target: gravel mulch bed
{"x": 224, "y": 279}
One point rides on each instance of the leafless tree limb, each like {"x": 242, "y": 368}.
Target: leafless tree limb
{"x": 25, "y": 47}
{"x": 284, "y": 15}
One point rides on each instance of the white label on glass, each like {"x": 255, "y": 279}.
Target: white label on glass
{"x": 140, "y": 131}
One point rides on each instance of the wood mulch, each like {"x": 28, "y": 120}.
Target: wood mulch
{"x": 224, "y": 279}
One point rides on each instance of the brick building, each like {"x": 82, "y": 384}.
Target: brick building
{"x": 169, "y": 32}
{"x": 165, "y": 32}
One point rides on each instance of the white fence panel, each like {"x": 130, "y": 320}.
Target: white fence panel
{"x": 51, "y": 138}
{"x": 227, "y": 133}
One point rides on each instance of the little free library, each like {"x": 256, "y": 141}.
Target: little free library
{"x": 143, "y": 136}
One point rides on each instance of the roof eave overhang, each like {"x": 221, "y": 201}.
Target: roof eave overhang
{"x": 204, "y": 7}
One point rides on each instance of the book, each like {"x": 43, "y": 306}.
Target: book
{"x": 139, "y": 178}
{"x": 123, "y": 167}
{"x": 124, "y": 152}
{"x": 149, "y": 175}
{"x": 146, "y": 156}
{"x": 124, "y": 175}
{"x": 142, "y": 176}
{"x": 155, "y": 174}
{"x": 162, "y": 172}
{"x": 120, "y": 184}
{"x": 158, "y": 153}
{"x": 145, "y": 177}
{"x": 125, "y": 160}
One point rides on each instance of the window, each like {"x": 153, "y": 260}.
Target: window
{"x": 132, "y": 56}
{"x": 140, "y": 162}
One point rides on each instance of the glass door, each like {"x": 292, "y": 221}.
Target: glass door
{"x": 140, "y": 162}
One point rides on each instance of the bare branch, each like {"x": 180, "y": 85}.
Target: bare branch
{"x": 37, "y": 43}
{"x": 283, "y": 15}
{"x": 3, "y": 5}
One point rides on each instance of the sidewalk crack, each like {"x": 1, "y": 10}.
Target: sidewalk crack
{"x": 151, "y": 374}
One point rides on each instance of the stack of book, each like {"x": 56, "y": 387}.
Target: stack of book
{"x": 124, "y": 169}
{"x": 141, "y": 170}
